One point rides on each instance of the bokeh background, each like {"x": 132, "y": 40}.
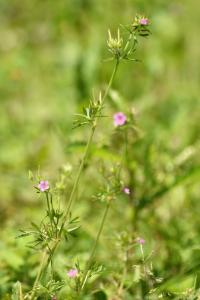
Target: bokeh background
{"x": 52, "y": 59}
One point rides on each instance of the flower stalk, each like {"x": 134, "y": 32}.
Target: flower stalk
{"x": 41, "y": 268}
{"x": 47, "y": 256}
{"x": 51, "y": 235}
{"x": 91, "y": 257}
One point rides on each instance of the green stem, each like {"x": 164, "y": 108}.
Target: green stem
{"x": 71, "y": 199}
{"x": 127, "y": 45}
{"x": 86, "y": 272}
{"x": 44, "y": 264}
{"x": 44, "y": 257}
{"x": 49, "y": 209}
{"x": 111, "y": 80}
{"x": 128, "y": 41}
{"x": 48, "y": 206}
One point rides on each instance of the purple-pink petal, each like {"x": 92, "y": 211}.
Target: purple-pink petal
{"x": 72, "y": 273}
{"x": 140, "y": 241}
{"x": 119, "y": 119}
{"x": 127, "y": 190}
{"x": 144, "y": 21}
{"x": 43, "y": 185}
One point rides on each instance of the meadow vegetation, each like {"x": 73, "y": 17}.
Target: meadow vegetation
{"x": 99, "y": 135}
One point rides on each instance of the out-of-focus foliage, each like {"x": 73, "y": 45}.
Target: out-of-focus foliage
{"x": 52, "y": 61}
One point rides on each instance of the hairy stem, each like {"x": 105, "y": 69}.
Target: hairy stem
{"x": 76, "y": 182}
{"x": 45, "y": 260}
{"x": 90, "y": 260}
{"x": 71, "y": 198}
{"x": 111, "y": 80}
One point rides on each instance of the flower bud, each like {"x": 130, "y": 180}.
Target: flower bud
{"x": 115, "y": 44}
{"x": 140, "y": 25}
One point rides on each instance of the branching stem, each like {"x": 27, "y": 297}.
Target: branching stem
{"x": 45, "y": 258}
{"x": 90, "y": 260}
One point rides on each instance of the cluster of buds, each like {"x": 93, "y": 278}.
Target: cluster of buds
{"x": 124, "y": 49}
{"x": 140, "y": 26}
{"x": 115, "y": 44}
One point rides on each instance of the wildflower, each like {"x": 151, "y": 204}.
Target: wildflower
{"x": 144, "y": 21}
{"x": 119, "y": 119}
{"x": 43, "y": 185}
{"x": 140, "y": 241}
{"x": 140, "y": 20}
{"x": 140, "y": 26}
{"x": 127, "y": 191}
{"x": 72, "y": 273}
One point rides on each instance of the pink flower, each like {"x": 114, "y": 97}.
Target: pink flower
{"x": 127, "y": 191}
{"x": 43, "y": 185}
{"x": 143, "y": 21}
{"x": 119, "y": 119}
{"x": 72, "y": 273}
{"x": 140, "y": 241}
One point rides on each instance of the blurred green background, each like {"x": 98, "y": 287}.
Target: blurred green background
{"x": 52, "y": 59}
